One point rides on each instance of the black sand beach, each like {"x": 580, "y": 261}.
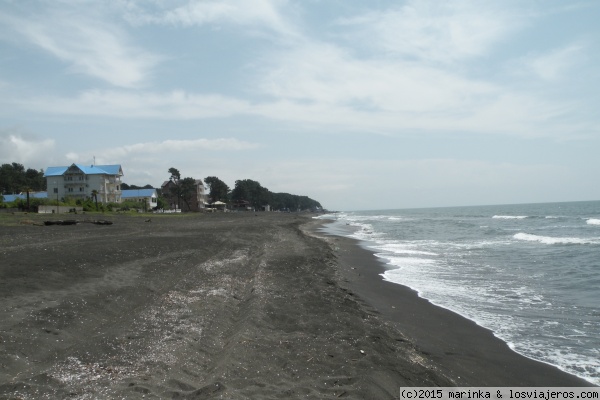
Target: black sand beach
{"x": 224, "y": 306}
{"x": 461, "y": 349}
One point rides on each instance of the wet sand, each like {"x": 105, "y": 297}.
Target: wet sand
{"x": 460, "y": 349}
{"x": 224, "y": 305}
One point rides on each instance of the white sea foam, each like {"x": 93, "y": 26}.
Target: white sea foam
{"x": 555, "y": 240}
{"x": 327, "y": 216}
{"x": 464, "y": 271}
{"x": 356, "y": 218}
{"x": 365, "y": 231}
{"x": 414, "y": 252}
{"x": 582, "y": 365}
{"x": 406, "y": 262}
{"x": 397, "y": 248}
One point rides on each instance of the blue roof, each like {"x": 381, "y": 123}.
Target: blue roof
{"x": 9, "y": 198}
{"x": 86, "y": 169}
{"x": 127, "y": 194}
{"x": 55, "y": 171}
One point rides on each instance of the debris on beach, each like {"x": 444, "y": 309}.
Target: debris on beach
{"x": 101, "y": 222}
{"x": 75, "y": 222}
{"x": 61, "y": 222}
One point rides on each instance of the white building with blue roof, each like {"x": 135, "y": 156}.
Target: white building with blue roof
{"x": 149, "y": 196}
{"x": 79, "y": 181}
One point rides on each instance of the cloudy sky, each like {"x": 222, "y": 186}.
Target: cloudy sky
{"x": 360, "y": 105}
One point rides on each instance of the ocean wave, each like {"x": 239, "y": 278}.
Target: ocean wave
{"x": 396, "y": 248}
{"x": 359, "y": 218}
{"x": 364, "y": 231}
{"x": 554, "y": 240}
{"x": 509, "y": 216}
{"x": 593, "y": 221}
{"x": 406, "y": 262}
{"x": 326, "y": 216}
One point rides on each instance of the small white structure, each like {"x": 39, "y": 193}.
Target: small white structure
{"x": 79, "y": 182}
{"x": 149, "y": 196}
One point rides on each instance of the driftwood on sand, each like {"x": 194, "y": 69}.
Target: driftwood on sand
{"x": 75, "y": 222}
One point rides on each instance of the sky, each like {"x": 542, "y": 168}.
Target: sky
{"x": 359, "y": 105}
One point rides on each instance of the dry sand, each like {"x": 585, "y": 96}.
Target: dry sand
{"x": 227, "y": 305}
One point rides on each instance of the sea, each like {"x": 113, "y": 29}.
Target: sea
{"x": 529, "y": 272}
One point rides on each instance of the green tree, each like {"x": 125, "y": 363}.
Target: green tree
{"x": 95, "y": 197}
{"x": 251, "y": 191}
{"x": 175, "y": 174}
{"x": 187, "y": 189}
{"x": 161, "y": 203}
{"x": 27, "y": 190}
{"x": 125, "y": 186}
{"x": 176, "y": 187}
{"x": 12, "y": 178}
{"x": 35, "y": 180}
{"x": 15, "y": 179}
{"x": 292, "y": 202}
{"x": 218, "y": 190}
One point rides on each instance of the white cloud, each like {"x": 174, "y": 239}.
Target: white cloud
{"x": 361, "y": 97}
{"x": 222, "y": 144}
{"x": 435, "y": 31}
{"x": 265, "y": 14}
{"x": 181, "y": 147}
{"x": 91, "y": 46}
{"x": 421, "y": 84}
{"x": 555, "y": 64}
{"x": 324, "y": 84}
{"x": 323, "y": 73}
{"x": 23, "y": 148}
{"x": 176, "y": 104}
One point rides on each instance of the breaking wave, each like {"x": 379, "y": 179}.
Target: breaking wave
{"x": 555, "y": 240}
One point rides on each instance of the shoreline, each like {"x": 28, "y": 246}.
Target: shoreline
{"x": 468, "y": 353}
{"x": 221, "y": 305}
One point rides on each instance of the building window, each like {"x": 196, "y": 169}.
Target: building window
{"x": 55, "y": 190}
